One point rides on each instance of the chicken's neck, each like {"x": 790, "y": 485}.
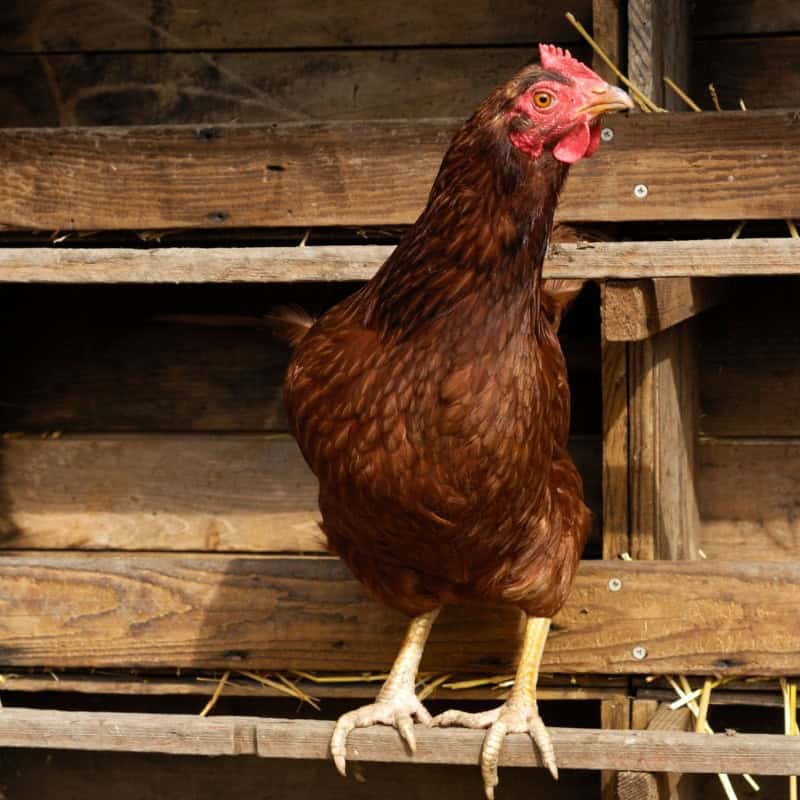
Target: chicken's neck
{"x": 481, "y": 241}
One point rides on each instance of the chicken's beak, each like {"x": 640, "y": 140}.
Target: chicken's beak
{"x": 607, "y": 98}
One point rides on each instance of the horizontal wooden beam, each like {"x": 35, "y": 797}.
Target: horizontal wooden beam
{"x": 587, "y": 261}
{"x": 636, "y": 310}
{"x": 38, "y": 27}
{"x": 576, "y": 748}
{"x": 657, "y": 167}
{"x": 75, "y": 610}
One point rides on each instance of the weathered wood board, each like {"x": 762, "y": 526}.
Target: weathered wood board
{"x": 278, "y": 613}
{"x": 344, "y": 173}
{"x": 176, "y": 492}
{"x": 585, "y": 260}
{"x": 90, "y": 25}
{"x": 576, "y": 748}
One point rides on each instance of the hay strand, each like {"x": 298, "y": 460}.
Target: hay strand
{"x": 217, "y": 692}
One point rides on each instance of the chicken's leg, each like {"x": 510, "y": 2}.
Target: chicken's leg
{"x": 519, "y": 714}
{"x": 396, "y": 702}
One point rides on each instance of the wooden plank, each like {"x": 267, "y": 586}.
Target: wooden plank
{"x": 764, "y": 72}
{"x": 663, "y": 429}
{"x": 738, "y": 17}
{"x": 636, "y": 310}
{"x": 749, "y": 498}
{"x": 576, "y": 748}
{"x": 40, "y": 26}
{"x": 245, "y": 493}
{"x": 343, "y": 173}
{"x": 587, "y": 261}
{"x": 148, "y": 88}
{"x": 749, "y": 381}
{"x": 69, "y": 610}
{"x": 180, "y": 492}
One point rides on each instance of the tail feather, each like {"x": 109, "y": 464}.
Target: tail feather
{"x": 289, "y": 323}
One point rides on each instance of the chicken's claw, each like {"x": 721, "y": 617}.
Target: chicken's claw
{"x": 501, "y": 721}
{"x": 397, "y": 711}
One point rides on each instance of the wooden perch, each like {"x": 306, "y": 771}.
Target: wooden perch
{"x": 576, "y": 748}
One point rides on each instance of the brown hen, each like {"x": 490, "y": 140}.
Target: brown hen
{"x": 433, "y": 404}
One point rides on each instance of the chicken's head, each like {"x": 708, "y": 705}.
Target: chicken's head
{"x": 557, "y": 105}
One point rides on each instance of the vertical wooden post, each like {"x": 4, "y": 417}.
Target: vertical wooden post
{"x": 661, "y": 369}
{"x": 661, "y": 379}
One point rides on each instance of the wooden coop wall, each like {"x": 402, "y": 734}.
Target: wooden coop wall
{"x": 145, "y": 448}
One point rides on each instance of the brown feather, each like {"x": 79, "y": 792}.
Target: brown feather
{"x": 433, "y": 404}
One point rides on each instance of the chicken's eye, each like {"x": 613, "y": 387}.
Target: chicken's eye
{"x": 543, "y": 99}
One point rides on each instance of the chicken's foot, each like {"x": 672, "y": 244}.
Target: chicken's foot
{"x": 397, "y": 701}
{"x": 519, "y": 714}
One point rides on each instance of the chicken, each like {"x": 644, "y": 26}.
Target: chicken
{"x": 433, "y": 403}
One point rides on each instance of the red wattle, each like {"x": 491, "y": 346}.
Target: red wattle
{"x": 594, "y": 143}
{"x": 575, "y": 145}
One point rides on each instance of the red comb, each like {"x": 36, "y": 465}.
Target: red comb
{"x": 561, "y": 61}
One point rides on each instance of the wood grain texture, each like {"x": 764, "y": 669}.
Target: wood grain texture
{"x": 658, "y": 46}
{"x": 587, "y": 261}
{"x": 307, "y": 613}
{"x": 607, "y": 18}
{"x": 614, "y": 377}
{"x": 344, "y": 173}
{"x": 576, "y": 748}
{"x": 636, "y": 310}
{"x": 179, "y": 492}
{"x": 749, "y": 381}
{"x": 66, "y": 25}
{"x": 764, "y": 72}
{"x": 662, "y": 391}
{"x": 749, "y": 498}
{"x": 147, "y": 88}
{"x": 737, "y": 17}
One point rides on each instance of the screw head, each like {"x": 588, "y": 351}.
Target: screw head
{"x": 639, "y": 652}
{"x": 640, "y": 191}
{"x": 614, "y": 585}
{"x": 607, "y": 135}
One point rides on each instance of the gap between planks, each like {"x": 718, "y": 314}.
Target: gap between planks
{"x": 588, "y": 261}
{"x": 576, "y": 748}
